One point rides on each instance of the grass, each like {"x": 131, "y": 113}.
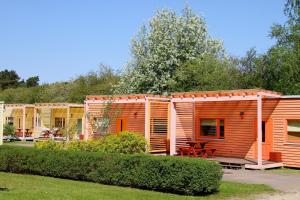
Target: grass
{"x": 284, "y": 171}
{"x": 20, "y": 143}
{"x": 30, "y": 187}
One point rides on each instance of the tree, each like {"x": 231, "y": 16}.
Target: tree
{"x": 95, "y": 82}
{"x": 32, "y": 81}
{"x": 162, "y": 47}
{"x": 279, "y": 68}
{"x": 206, "y": 73}
{"x": 283, "y": 59}
{"x": 9, "y": 79}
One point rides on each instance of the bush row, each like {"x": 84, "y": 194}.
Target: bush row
{"x": 187, "y": 176}
{"x": 126, "y": 142}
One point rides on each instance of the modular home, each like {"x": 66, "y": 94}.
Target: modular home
{"x": 255, "y": 125}
{"x": 29, "y": 120}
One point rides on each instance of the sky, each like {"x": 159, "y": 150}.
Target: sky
{"x": 60, "y": 39}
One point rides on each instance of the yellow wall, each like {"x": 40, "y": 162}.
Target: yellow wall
{"x": 17, "y": 115}
{"x": 47, "y": 118}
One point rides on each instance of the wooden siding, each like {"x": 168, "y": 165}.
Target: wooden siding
{"x": 282, "y": 110}
{"x": 159, "y": 126}
{"x": 239, "y": 138}
{"x": 184, "y": 123}
{"x": 134, "y": 113}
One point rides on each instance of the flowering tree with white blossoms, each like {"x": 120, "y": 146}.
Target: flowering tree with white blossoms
{"x": 169, "y": 41}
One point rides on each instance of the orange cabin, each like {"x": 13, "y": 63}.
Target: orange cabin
{"x": 228, "y": 120}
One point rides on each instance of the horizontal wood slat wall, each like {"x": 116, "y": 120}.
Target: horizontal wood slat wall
{"x": 159, "y": 126}
{"x": 134, "y": 113}
{"x": 184, "y": 123}
{"x": 239, "y": 130}
{"x": 281, "y": 110}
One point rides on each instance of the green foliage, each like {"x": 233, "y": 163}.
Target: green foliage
{"x": 279, "y": 68}
{"x": 8, "y": 79}
{"x": 8, "y": 129}
{"x": 69, "y": 131}
{"x": 96, "y": 82}
{"x": 49, "y": 145}
{"x": 162, "y": 47}
{"x": 32, "y": 81}
{"x": 125, "y": 143}
{"x": 161, "y": 173}
{"x": 206, "y": 73}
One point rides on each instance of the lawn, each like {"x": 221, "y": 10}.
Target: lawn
{"x": 284, "y": 171}
{"x": 29, "y": 187}
{"x": 20, "y": 143}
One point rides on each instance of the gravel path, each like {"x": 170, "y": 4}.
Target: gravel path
{"x": 288, "y": 184}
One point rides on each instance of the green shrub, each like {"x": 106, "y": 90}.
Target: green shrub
{"x": 49, "y": 144}
{"x": 188, "y": 176}
{"x": 125, "y": 142}
{"x": 8, "y": 129}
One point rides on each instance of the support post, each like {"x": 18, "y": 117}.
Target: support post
{"x": 34, "y": 122}
{"x": 194, "y": 111}
{"x": 68, "y": 118}
{"x": 147, "y": 123}
{"x": 259, "y": 131}
{"x": 86, "y": 121}
{"x": 23, "y": 121}
{"x": 173, "y": 129}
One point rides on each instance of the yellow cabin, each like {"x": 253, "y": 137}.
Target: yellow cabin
{"x": 30, "y": 120}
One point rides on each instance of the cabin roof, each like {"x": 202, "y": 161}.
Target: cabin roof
{"x": 217, "y": 93}
{"x": 44, "y": 105}
{"x": 226, "y": 93}
{"x": 124, "y": 97}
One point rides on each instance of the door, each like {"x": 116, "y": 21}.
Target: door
{"x": 121, "y": 125}
{"x": 267, "y": 139}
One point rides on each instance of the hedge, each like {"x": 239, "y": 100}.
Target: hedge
{"x": 189, "y": 176}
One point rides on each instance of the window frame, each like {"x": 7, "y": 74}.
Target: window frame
{"x": 62, "y": 120}
{"x": 199, "y": 136}
{"x": 287, "y": 132}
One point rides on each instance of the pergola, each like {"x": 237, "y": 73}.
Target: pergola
{"x": 36, "y": 106}
{"x": 126, "y": 99}
{"x": 215, "y": 96}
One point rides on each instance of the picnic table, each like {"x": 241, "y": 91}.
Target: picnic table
{"x": 192, "y": 149}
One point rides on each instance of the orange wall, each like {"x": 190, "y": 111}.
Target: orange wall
{"x": 135, "y": 122}
{"x": 240, "y": 139}
{"x": 239, "y": 132}
{"x": 285, "y": 109}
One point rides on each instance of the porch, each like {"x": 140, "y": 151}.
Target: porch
{"x": 234, "y": 123}
{"x": 33, "y": 120}
{"x": 242, "y": 163}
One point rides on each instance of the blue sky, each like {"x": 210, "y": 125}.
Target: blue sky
{"x": 60, "y": 39}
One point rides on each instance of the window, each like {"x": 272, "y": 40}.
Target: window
{"x": 79, "y": 126}
{"x": 263, "y": 127}
{"x": 293, "y": 130}
{"x": 10, "y": 120}
{"x": 212, "y": 128}
{"x": 59, "y": 122}
{"x": 121, "y": 125}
